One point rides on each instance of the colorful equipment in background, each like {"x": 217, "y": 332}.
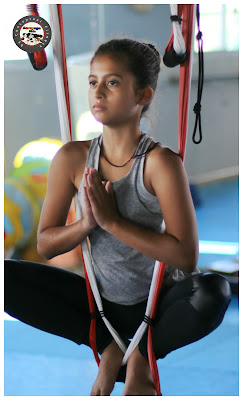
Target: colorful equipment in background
{"x": 24, "y": 194}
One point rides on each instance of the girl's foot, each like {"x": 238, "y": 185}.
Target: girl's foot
{"x": 109, "y": 367}
{"x": 139, "y": 380}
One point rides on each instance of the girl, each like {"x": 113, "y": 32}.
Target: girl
{"x": 127, "y": 185}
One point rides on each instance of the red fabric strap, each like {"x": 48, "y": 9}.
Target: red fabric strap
{"x": 40, "y": 58}
{"x": 186, "y": 11}
{"x": 65, "y": 76}
{"x": 185, "y": 77}
{"x": 92, "y": 329}
{"x": 92, "y": 332}
{"x": 34, "y": 9}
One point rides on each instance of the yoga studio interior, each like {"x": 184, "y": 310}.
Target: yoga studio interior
{"x": 37, "y": 363}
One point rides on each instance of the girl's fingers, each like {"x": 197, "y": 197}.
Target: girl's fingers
{"x": 90, "y": 181}
{"x": 86, "y": 173}
{"x": 108, "y": 187}
{"x": 96, "y": 184}
{"x": 86, "y": 199}
{"x": 91, "y": 197}
{"x": 85, "y": 179}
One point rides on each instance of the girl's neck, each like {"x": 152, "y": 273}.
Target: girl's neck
{"x": 120, "y": 144}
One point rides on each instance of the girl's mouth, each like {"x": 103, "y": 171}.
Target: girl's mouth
{"x": 98, "y": 107}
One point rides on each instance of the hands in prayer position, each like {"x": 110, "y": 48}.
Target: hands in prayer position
{"x": 99, "y": 200}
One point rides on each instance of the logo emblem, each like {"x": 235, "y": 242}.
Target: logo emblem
{"x": 32, "y": 33}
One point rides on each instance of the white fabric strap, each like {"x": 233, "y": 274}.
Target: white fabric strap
{"x": 142, "y": 328}
{"x": 178, "y": 43}
{"x": 65, "y": 135}
{"x": 58, "y": 70}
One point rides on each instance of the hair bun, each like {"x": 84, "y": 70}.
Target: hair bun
{"x": 153, "y": 48}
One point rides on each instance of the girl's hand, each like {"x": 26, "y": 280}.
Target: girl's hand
{"x": 102, "y": 200}
{"x": 88, "y": 214}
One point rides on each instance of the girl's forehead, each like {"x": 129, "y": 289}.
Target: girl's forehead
{"x": 104, "y": 63}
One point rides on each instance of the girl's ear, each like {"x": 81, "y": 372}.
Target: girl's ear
{"x": 145, "y": 95}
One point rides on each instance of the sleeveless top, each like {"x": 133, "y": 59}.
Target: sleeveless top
{"x": 123, "y": 274}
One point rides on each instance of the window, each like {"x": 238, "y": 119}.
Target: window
{"x": 219, "y": 24}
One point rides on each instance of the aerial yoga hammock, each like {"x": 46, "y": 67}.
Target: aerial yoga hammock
{"x": 178, "y": 51}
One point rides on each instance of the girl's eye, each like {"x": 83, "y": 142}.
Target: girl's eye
{"x": 113, "y": 83}
{"x": 110, "y": 83}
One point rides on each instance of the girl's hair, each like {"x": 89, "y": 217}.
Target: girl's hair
{"x": 141, "y": 59}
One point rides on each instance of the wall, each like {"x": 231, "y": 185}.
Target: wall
{"x": 31, "y": 109}
{"x": 217, "y": 155}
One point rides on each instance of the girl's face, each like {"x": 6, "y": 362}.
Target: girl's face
{"x": 112, "y": 97}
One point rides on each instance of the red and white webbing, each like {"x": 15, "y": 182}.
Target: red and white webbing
{"x": 186, "y": 11}
{"x": 37, "y": 59}
{"x": 178, "y": 39}
{"x": 65, "y": 126}
{"x": 60, "y": 76}
{"x": 188, "y": 17}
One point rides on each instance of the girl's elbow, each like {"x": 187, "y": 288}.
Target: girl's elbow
{"x": 190, "y": 261}
{"x": 43, "y": 250}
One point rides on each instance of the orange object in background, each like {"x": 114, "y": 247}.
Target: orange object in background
{"x": 70, "y": 260}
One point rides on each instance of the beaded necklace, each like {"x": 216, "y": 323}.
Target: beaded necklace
{"x": 133, "y": 156}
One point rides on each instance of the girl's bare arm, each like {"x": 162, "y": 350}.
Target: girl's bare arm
{"x": 53, "y": 237}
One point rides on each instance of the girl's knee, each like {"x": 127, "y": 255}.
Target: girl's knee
{"x": 8, "y": 267}
{"x": 211, "y": 294}
{"x": 11, "y": 267}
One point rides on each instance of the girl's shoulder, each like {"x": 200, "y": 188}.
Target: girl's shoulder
{"x": 75, "y": 148}
{"x": 161, "y": 165}
{"x": 74, "y": 153}
{"x": 162, "y": 157}
{"x": 71, "y": 157}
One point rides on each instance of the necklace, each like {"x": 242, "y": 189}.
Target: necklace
{"x": 133, "y": 156}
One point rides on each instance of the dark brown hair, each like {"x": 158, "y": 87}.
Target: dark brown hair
{"x": 142, "y": 60}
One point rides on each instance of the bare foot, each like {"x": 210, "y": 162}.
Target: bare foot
{"x": 109, "y": 367}
{"x": 139, "y": 380}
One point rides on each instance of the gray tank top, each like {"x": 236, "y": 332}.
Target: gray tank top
{"x": 123, "y": 274}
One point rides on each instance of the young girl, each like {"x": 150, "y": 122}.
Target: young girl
{"x": 127, "y": 186}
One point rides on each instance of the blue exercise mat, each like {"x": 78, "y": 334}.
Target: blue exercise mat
{"x": 40, "y": 364}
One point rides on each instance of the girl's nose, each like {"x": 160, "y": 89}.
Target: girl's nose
{"x": 100, "y": 92}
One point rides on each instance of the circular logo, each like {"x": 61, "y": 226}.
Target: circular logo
{"x": 32, "y": 33}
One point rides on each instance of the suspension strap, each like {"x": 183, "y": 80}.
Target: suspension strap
{"x": 65, "y": 76}
{"x": 186, "y": 14}
{"x": 38, "y": 59}
{"x": 63, "y": 101}
{"x": 197, "y": 106}
{"x": 149, "y": 321}
{"x": 65, "y": 123}
{"x": 187, "y": 11}
{"x": 175, "y": 52}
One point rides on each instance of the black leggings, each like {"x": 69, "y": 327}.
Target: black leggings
{"x": 55, "y": 300}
